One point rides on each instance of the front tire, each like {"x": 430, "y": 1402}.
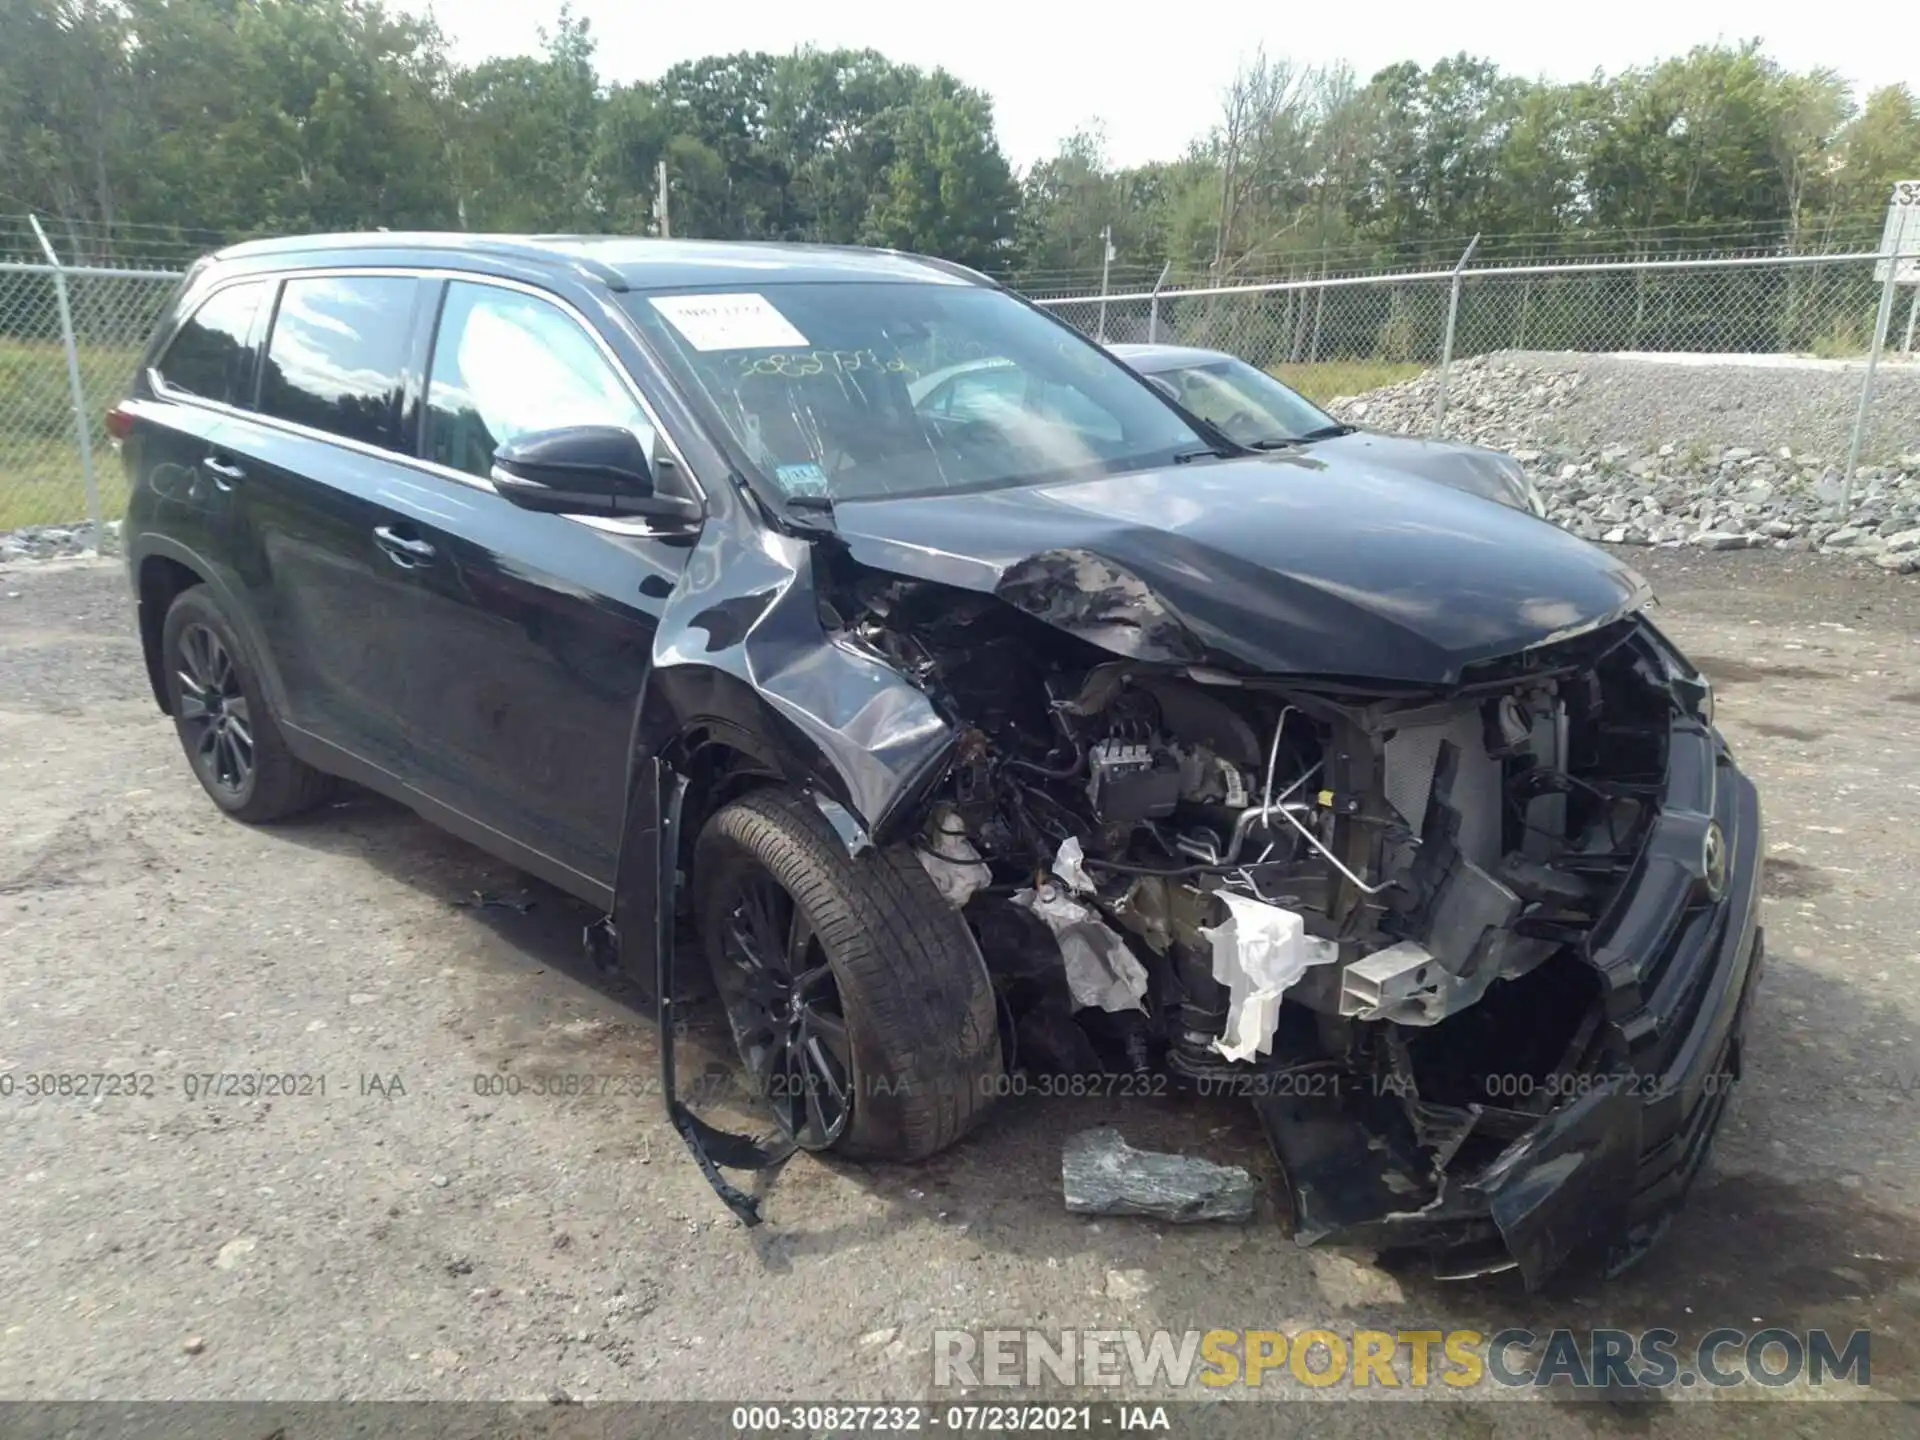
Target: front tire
{"x": 225, "y": 724}
{"x": 857, "y": 996}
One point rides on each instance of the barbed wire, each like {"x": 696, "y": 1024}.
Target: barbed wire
{"x": 1839, "y": 235}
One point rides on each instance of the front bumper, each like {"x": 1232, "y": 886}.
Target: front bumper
{"x": 1601, "y": 1175}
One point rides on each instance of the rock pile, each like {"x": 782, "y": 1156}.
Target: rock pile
{"x": 1724, "y": 456}
{"x": 57, "y": 542}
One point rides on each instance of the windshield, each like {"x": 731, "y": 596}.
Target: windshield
{"x": 1248, "y": 405}
{"x": 854, "y": 390}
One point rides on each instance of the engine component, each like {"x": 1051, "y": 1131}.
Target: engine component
{"x": 1129, "y": 782}
{"x": 1402, "y": 983}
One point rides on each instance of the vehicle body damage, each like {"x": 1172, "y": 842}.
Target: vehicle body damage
{"x": 977, "y": 704}
{"x": 1411, "y": 830}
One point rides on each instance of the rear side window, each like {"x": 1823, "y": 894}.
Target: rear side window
{"x": 212, "y": 355}
{"x": 505, "y": 363}
{"x": 336, "y": 354}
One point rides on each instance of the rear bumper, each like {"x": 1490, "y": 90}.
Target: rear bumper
{"x": 1601, "y": 1175}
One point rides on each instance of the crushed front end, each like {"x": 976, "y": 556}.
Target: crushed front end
{"x": 1479, "y": 954}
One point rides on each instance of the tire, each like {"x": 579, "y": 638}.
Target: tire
{"x": 257, "y": 781}
{"x": 920, "y": 1025}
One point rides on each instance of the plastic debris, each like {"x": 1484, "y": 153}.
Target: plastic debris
{"x": 1101, "y": 1174}
{"x": 1258, "y": 953}
{"x": 1069, "y": 864}
{"x": 1102, "y": 972}
{"x": 951, "y": 861}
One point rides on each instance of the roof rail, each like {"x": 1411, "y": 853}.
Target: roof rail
{"x": 953, "y": 268}
{"x": 540, "y": 249}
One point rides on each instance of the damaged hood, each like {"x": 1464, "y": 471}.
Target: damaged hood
{"x": 1293, "y": 564}
{"x": 1472, "y": 468}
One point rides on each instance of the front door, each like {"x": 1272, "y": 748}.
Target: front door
{"x": 531, "y": 634}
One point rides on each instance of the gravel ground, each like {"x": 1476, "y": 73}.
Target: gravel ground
{"x": 403, "y": 1237}
{"x": 57, "y": 542}
{"x": 1709, "y": 451}
{"x": 1684, "y": 400}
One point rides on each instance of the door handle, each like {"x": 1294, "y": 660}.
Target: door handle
{"x": 403, "y": 550}
{"x": 225, "y": 473}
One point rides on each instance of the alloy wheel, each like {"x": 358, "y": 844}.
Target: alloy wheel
{"x": 784, "y": 1008}
{"x": 213, "y": 711}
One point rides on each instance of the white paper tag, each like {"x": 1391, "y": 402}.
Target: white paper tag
{"x": 728, "y": 322}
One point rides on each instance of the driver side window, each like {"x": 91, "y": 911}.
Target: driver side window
{"x": 506, "y": 363}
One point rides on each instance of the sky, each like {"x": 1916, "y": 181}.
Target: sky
{"x": 1152, "y": 73}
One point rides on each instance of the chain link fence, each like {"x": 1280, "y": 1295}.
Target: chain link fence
{"x": 1348, "y": 335}
{"x": 70, "y": 337}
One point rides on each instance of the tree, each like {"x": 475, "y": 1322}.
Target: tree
{"x": 948, "y": 191}
{"x": 246, "y": 116}
{"x": 527, "y": 137}
{"x": 1878, "y": 147}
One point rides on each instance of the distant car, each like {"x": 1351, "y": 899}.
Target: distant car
{"x": 1253, "y": 409}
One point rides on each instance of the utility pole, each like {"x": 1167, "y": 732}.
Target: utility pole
{"x": 1106, "y": 264}
{"x": 660, "y": 200}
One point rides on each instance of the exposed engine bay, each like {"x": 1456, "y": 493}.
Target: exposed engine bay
{"x": 1322, "y": 896}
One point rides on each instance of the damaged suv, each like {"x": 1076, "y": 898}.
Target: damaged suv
{"x": 971, "y": 706}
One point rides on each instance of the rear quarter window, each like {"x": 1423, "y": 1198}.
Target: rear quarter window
{"x": 211, "y": 356}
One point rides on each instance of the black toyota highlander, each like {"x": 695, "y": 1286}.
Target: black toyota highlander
{"x": 965, "y": 704}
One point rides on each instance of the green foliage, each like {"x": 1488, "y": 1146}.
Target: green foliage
{"x": 261, "y": 116}
{"x": 252, "y": 116}
{"x": 1713, "y": 150}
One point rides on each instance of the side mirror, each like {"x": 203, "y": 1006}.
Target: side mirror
{"x": 585, "y": 470}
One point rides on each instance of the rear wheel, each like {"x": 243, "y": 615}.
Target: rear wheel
{"x": 856, "y": 995}
{"x": 224, "y": 721}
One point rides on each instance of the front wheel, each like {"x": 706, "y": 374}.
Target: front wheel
{"x": 856, "y": 995}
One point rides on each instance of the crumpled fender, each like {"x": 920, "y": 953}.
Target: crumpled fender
{"x": 742, "y": 654}
{"x": 741, "y": 657}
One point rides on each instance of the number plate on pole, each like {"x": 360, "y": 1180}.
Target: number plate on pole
{"x": 1902, "y": 237}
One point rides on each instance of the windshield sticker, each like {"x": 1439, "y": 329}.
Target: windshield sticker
{"x": 805, "y": 479}
{"x": 728, "y": 322}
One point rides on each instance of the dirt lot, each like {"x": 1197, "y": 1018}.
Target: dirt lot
{"x": 402, "y": 1236}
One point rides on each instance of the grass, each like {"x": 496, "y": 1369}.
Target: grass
{"x": 1330, "y": 379}
{"x": 42, "y": 485}
{"x": 40, "y": 473}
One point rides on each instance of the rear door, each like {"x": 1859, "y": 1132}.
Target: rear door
{"x": 333, "y": 595}
{"x": 181, "y": 476}
{"x": 532, "y": 633}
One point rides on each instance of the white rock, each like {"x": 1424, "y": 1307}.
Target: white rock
{"x": 1902, "y": 541}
